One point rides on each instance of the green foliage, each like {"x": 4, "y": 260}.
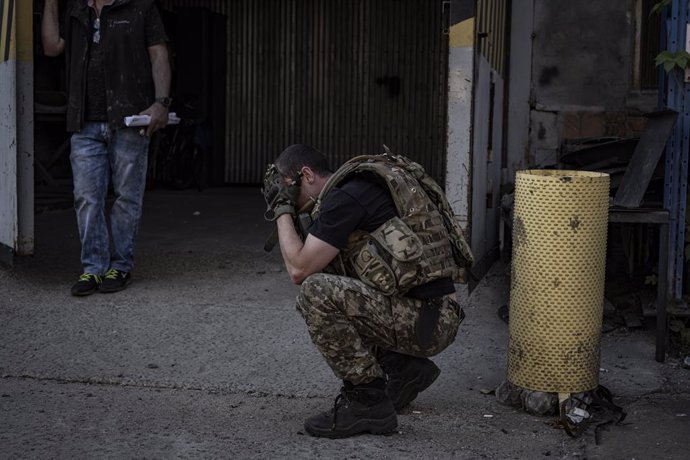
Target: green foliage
{"x": 670, "y": 60}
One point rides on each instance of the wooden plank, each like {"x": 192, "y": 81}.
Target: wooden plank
{"x": 645, "y": 159}
{"x": 642, "y": 216}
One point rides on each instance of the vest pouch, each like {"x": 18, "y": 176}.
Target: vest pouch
{"x": 372, "y": 269}
{"x": 402, "y": 249}
{"x": 398, "y": 240}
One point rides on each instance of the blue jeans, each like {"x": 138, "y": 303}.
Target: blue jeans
{"x": 100, "y": 153}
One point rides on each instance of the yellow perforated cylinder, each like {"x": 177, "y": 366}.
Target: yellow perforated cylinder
{"x": 557, "y": 283}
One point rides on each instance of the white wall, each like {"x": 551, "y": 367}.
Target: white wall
{"x": 17, "y": 134}
{"x": 8, "y": 155}
{"x": 460, "y": 78}
{"x": 25, "y": 158}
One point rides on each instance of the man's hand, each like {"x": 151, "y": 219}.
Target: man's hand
{"x": 159, "y": 117}
{"x": 280, "y": 197}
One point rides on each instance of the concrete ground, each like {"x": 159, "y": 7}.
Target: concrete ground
{"x": 205, "y": 356}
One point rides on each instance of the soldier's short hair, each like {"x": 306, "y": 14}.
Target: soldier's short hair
{"x": 295, "y": 157}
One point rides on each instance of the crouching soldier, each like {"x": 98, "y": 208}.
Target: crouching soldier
{"x": 376, "y": 266}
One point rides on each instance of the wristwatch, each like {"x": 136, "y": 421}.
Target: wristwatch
{"x": 164, "y": 101}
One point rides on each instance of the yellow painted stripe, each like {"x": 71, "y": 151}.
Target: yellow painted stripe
{"x": 25, "y": 36}
{"x": 7, "y": 30}
{"x": 3, "y": 29}
{"x": 462, "y": 34}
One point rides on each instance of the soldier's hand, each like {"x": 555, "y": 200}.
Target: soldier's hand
{"x": 280, "y": 196}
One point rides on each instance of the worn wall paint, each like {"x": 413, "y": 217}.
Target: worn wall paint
{"x": 582, "y": 53}
{"x": 16, "y": 128}
{"x": 544, "y": 136}
{"x": 8, "y": 154}
{"x": 8, "y": 122}
{"x": 458, "y": 164}
{"x": 459, "y": 107}
{"x": 574, "y": 60}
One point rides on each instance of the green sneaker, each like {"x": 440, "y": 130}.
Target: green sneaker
{"x": 88, "y": 284}
{"x": 115, "y": 280}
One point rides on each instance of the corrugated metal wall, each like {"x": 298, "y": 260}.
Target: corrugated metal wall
{"x": 491, "y": 32}
{"x": 344, "y": 77}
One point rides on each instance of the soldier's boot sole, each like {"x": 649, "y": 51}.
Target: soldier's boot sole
{"x": 380, "y": 426}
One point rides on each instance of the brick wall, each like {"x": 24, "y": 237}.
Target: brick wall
{"x": 579, "y": 125}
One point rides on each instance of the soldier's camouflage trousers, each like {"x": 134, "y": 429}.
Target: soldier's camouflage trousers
{"x": 348, "y": 320}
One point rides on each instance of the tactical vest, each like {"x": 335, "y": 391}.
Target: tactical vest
{"x": 423, "y": 244}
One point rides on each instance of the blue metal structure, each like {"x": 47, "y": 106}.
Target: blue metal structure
{"x": 674, "y": 93}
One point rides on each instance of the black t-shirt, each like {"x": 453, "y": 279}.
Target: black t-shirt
{"x": 356, "y": 204}
{"x": 363, "y": 203}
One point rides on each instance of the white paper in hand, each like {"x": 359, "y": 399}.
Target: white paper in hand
{"x": 144, "y": 120}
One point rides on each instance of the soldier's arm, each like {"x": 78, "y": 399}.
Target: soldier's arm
{"x": 302, "y": 259}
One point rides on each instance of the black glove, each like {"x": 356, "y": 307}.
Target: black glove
{"x": 280, "y": 197}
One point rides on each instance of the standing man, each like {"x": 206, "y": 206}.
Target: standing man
{"x": 116, "y": 65}
{"x": 377, "y": 274}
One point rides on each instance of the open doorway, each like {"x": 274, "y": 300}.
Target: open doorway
{"x": 250, "y": 78}
{"x": 198, "y": 55}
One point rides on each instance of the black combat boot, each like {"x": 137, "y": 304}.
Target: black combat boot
{"x": 358, "y": 409}
{"x": 407, "y": 376}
